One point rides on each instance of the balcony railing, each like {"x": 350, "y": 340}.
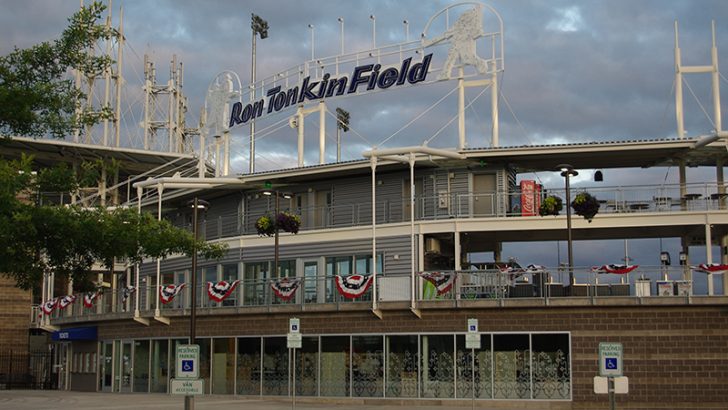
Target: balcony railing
{"x": 658, "y": 282}
{"x": 613, "y": 200}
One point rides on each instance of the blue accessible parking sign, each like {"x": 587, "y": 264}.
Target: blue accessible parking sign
{"x": 188, "y": 365}
{"x": 610, "y": 362}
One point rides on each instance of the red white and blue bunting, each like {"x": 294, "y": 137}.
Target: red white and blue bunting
{"x": 353, "y": 286}
{"x": 126, "y": 292}
{"x": 65, "y": 301}
{"x": 89, "y": 298}
{"x": 285, "y": 288}
{"x": 442, "y": 281}
{"x": 613, "y": 268}
{"x": 221, "y": 290}
{"x": 710, "y": 268}
{"x": 535, "y": 269}
{"x": 49, "y": 306}
{"x": 168, "y": 292}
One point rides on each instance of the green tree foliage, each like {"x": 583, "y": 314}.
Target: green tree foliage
{"x": 67, "y": 240}
{"x": 36, "y": 95}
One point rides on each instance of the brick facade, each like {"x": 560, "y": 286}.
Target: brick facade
{"x": 675, "y": 357}
{"x": 14, "y": 316}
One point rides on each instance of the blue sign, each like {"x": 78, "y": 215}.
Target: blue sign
{"x": 610, "y": 363}
{"x": 188, "y": 365}
{"x": 369, "y": 76}
{"x": 74, "y": 333}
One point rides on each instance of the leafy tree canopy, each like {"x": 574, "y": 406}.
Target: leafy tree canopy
{"x": 36, "y": 95}
{"x": 68, "y": 240}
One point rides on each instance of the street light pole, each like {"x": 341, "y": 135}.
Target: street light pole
{"x": 568, "y": 171}
{"x": 277, "y": 195}
{"x": 259, "y": 27}
{"x": 196, "y": 205}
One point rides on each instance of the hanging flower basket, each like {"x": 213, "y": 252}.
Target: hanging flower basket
{"x": 264, "y": 225}
{"x": 586, "y": 205}
{"x": 288, "y": 222}
{"x": 551, "y": 205}
{"x": 284, "y": 221}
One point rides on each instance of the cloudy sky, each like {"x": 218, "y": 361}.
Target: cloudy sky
{"x": 575, "y": 70}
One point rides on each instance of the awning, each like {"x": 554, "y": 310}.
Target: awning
{"x": 75, "y": 333}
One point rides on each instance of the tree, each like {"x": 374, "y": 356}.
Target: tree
{"x": 36, "y": 96}
{"x": 35, "y": 239}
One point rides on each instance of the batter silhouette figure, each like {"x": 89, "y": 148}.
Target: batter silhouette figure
{"x": 462, "y": 36}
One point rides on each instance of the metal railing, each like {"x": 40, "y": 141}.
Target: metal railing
{"x": 613, "y": 200}
{"x": 643, "y": 282}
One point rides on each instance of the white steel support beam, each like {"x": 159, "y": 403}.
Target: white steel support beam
{"x": 375, "y": 307}
{"x": 678, "y": 89}
{"x": 709, "y": 255}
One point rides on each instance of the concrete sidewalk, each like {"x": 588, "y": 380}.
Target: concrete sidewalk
{"x": 49, "y": 399}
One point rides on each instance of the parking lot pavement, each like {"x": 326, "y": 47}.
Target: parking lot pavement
{"x": 49, "y": 399}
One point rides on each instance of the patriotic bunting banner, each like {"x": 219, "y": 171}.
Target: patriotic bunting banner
{"x": 65, "y": 301}
{"x": 126, "y": 292}
{"x": 285, "y": 288}
{"x": 167, "y": 293}
{"x": 49, "y": 306}
{"x": 443, "y": 281}
{"x": 618, "y": 269}
{"x": 89, "y": 298}
{"x": 221, "y": 290}
{"x": 710, "y": 268}
{"x": 535, "y": 269}
{"x": 353, "y": 286}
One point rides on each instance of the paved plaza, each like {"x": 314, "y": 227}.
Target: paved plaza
{"x": 48, "y": 399}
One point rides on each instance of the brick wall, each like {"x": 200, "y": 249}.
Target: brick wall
{"x": 14, "y": 316}
{"x": 675, "y": 357}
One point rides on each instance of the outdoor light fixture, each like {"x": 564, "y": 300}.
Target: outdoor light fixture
{"x": 683, "y": 258}
{"x": 341, "y": 26}
{"x": 568, "y": 171}
{"x": 665, "y": 258}
{"x": 342, "y": 124}
{"x": 311, "y": 27}
{"x": 260, "y": 27}
{"x": 598, "y": 176}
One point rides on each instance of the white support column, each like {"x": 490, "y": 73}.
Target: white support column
{"x": 157, "y": 313}
{"x": 715, "y": 76}
{"x": 119, "y": 80}
{"x": 299, "y": 119}
{"x": 709, "y": 256}
{"x": 322, "y": 132}
{"x": 413, "y": 301}
{"x": 494, "y": 106}
{"x": 461, "y": 109}
{"x": 373, "y": 164}
{"x": 683, "y": 184}
{"x": 678, "y": 89}
{"x": 107, "y": 82}
{"x": 226, "y": 152}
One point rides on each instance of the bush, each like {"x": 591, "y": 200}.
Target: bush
{"x": 586, "y": 205}
{"x": 551, "y": 205}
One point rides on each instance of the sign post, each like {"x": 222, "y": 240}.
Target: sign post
{"x": 610, "y": 366}
{"x": 472, "y": 342}
{"x": 187, "y": 374}
{"x": 295, "y": 341}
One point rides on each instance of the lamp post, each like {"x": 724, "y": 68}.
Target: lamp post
{"x": 568, "y": 171}
{"x": 341, "y": 27}
{"x": 373, "y": 18}
{"x": 312, "y": 28}
{"x": 277, "y": 196}
{"x": 259, "y": 27}
{"x": 406, "y": 30}
{"x": 342, "y": 124}
{"x": 196, "y": 205}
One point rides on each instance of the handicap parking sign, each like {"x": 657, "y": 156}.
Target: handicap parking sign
{"x": 610, "y": 362}
{"x": 188, "y": 365}
{"x": 610, "y": 359}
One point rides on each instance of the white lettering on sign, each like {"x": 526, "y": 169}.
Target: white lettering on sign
{"x": 63, "y": 335}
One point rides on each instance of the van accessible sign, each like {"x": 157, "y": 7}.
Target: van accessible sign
{"x": 370, "y": 76}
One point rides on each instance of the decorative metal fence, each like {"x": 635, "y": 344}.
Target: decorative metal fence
{"x": 32, "y": 370}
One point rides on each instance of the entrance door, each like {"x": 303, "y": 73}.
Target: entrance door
{"x": 106, "y": 366}
{"x": 61, "y": 361}
{"x": 311, "y": 281}
{"x": 484, "y": 191}
{"x": 125, "y": 366}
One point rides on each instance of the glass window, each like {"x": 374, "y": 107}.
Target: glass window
{"x": 401, "y": 366}
{"x": 483, "y": 369}
{"x": 160, "y": 366}
{"x": 306, "y": 367}
{"x": 180, "y": 301}
{"x": 275, "y": 366}
{"x": 437, "y": 366}
{"x": 205, "y": 275}
{"x": 551, "y": 374}
{"x": 230, "y": 274}
{"x": 511, "y": 366}
{"x": 204, "y": 362}
{"x": 335, "y": 366}
{"x": 141, "y": 366}
{"x": 254, "y": 284}
{"x": 367, "y": 359}
{"x": 248, "y": 365}
{"x": 223, "y": 366}
{"x": 364, "y": 264}
{"x": 339, "y": 265}
{"x": 287, "y": 269}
